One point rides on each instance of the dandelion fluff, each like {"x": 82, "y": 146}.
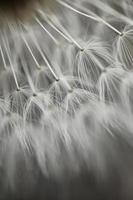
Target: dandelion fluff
{"x": 109, "y": 83}
{"x": 124, "y": 48}
{"x": 66, "y": 99}
{"x": 92, "y": 60}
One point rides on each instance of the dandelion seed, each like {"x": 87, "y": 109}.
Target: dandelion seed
{"x": 109, "y": 84}
{"x": 75, "y": 99}
{"x": 35, "y": 107}
{"x": 59, "y": 90}
{"x": 92, "y": 61}
{"x": 91, "y": 17}
{"x": 18, "y": 100}
{"x": 124, "y": 48}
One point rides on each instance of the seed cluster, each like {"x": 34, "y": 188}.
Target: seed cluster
{"x": 66, "y": 88}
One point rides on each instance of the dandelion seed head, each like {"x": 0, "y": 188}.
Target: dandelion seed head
{"x": 65, "y": 91}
